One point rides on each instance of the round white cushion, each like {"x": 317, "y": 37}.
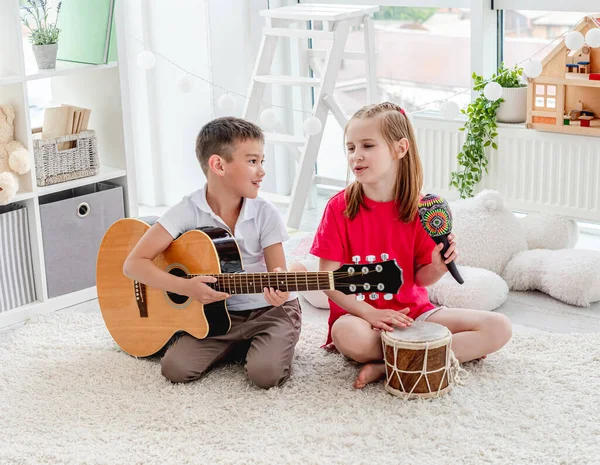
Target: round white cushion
{"x": 482, "y": 290}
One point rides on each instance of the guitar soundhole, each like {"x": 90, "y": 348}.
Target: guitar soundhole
{"x": 176, "y": 298}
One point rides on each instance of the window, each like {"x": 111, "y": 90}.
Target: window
{"x": 545, "y": 96}
{"x": 530, "y": 33}
{"x": 423, "y": 54}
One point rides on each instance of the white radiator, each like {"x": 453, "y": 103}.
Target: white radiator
{"x": 534, "y": 171}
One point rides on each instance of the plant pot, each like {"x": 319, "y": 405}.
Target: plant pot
{"x": 514, "y": 107}
{"x": 45, "y": 55}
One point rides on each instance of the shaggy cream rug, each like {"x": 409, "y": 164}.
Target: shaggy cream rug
{"x": 68, "y": 395}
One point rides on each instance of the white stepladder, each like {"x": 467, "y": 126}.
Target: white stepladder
{"x": 297, "y": 21}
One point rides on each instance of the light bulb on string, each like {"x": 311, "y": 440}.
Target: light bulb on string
{"x": 532, "y": 68}
{"x": 592, "y": 38}
{"x": 574, "y": 40}
{"x": 268, "y": 118}
{"x": 492, "y": 91}
{"x": 226, "y": 103}
{"x": 146, "y": 60}
{"x": 312, "y": 125}
{"x": 185, "y": 84}
{"x": 450, "y": 110}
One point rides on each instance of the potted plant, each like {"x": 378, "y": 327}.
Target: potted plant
{"x": 481, "y": 129}
{"x": 513, "y": 108}
{"x": 43, "y": 33}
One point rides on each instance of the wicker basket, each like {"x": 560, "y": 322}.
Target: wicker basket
{"x": 53, "y": 166}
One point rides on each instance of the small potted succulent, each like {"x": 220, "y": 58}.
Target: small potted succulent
{"x": 43, "y": 33}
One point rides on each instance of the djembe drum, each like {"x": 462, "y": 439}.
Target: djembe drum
{"x": 418, "y": 361}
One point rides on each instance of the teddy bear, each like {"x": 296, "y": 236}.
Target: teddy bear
{"x": 14, "y": 158}
{"x": 500, "y": 252}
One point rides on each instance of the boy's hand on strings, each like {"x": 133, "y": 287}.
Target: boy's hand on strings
{"x": 387, "y": 319}
{"x": 200, "y": 291}
{"x": 451, "y": 254}
{"x": 274, "y": 296}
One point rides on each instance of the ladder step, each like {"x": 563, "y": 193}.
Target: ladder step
{"x": 351, "y": 55}
{"x": 298, "y": 33}
{"x": 276, "y": 198}
{"x": 286, "y": 139}
{"x": 288, "y": 80}
{"x": 317, "y": 12}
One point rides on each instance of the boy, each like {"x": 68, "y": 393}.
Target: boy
{"x": 264, "y": 327}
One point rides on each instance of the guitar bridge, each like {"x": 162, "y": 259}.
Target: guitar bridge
{"x": 140, "y": 298}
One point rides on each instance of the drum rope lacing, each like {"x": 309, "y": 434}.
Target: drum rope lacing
{"x": 456, "y": 374}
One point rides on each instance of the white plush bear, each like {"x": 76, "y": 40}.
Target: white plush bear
{"x": 490, "y": 237}
{"x": 14, "y": 158}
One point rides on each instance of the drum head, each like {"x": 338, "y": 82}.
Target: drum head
{"x": 419, "y": 331}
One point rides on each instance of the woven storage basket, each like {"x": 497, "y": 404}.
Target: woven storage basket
{"x": 53, "y": 166}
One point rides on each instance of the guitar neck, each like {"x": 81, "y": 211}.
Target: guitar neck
{"x": 254, "y": 283}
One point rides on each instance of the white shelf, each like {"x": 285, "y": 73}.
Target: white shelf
{"x": 19, "y": 315}
{"x": 103, "y": 89}
{"x": 22, "y": 195}
{"x": 65, "y": 68}
{"x": 12, "y": 79}
{"x": 106, "y": 173}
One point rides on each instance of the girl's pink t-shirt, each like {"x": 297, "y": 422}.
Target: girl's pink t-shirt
{"x": 374, "y": 231}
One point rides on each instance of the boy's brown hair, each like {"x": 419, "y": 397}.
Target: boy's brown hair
{"x": 219, "y": 136}
{"x": 394, "y": 125}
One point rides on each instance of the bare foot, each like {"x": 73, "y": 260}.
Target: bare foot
{"x": 369, "y": 373}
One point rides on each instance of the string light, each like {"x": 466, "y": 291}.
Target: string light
{"x": 268, "y": 118}
{"x": 492, "y": 91}
{"x": 226, "y": 103}
{"x": 574, "y": 40}
{"x": 312, "y": 125}
{"x": 449, "y": 109}
{"x": 532, "y": 68}
{"x": 185, "y": 84}
{"x": 146, "y": 60}
{"x": 592, "y": 38}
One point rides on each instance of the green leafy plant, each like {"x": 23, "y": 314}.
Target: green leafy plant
{"x": 41, "y": 31}
{"x": 481, "y": 130}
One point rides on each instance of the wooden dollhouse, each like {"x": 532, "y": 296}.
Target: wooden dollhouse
{"x": 565, "y": 97}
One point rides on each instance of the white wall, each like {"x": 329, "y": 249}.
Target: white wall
{"x": 216, "y": 40}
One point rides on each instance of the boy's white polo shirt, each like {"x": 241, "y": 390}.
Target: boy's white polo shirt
{"x": 258, "y": 226}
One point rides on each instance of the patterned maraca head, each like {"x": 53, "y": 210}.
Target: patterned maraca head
{"x": 435, "y": 215}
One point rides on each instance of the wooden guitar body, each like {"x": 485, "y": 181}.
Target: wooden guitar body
{"x": 143, "y": 319}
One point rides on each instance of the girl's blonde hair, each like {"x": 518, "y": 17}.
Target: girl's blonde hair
{"x": 394, "y": 126}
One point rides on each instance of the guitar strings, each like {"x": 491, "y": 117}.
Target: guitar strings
{"x": 310, "y": 279}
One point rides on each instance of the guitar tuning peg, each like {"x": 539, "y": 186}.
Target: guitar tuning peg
{"x": 374, "y": 296}
{"x": 384, "y": 256}
{"x": 356, "y": 259}
{"x": 360, "y": 297}
{"x": 370, "y": 258}
{"x": 388, "y": 296}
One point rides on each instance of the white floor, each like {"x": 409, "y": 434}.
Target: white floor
{"x": 530, "y": 309}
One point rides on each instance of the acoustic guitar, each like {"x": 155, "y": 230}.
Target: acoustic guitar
{"x": 143, "y": 319}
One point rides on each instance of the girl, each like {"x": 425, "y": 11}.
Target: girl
{"x": 377, "y": 214}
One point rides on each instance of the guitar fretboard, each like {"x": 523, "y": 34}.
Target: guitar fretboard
{"x": 254, "y": 283}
